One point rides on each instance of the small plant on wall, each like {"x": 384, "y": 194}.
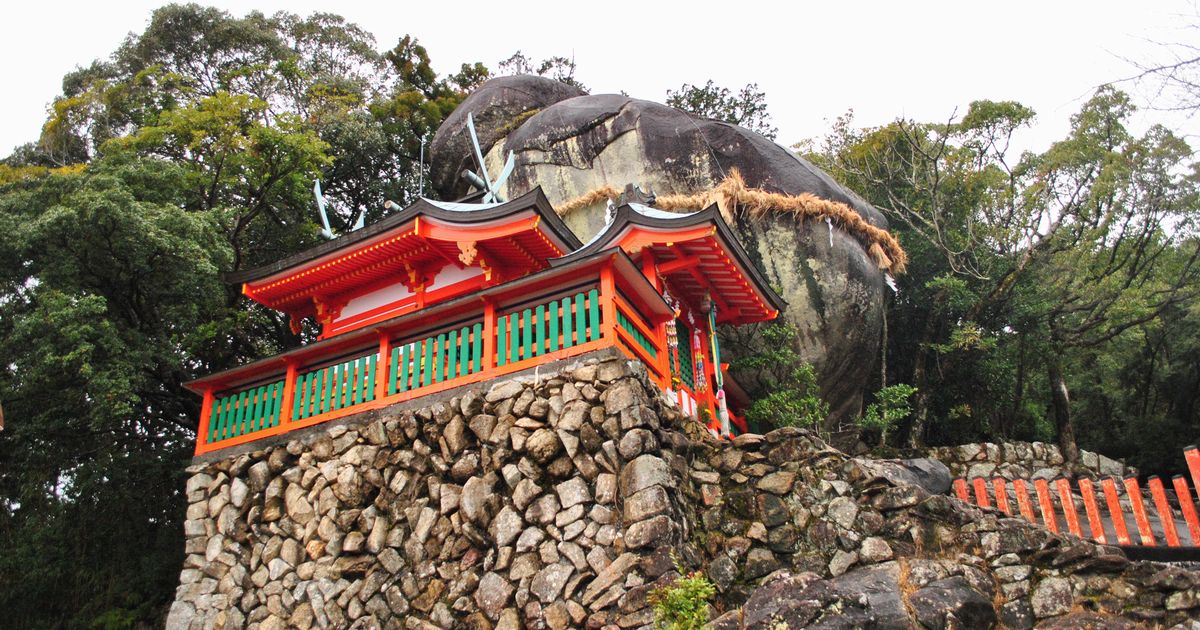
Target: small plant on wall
{"x": 683, "y": 605}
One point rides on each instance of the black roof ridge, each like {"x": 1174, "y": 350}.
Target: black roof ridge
{"x": 535, "y": 199}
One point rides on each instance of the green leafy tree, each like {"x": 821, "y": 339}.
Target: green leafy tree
{"x": 1021, "y": 263}
{"x": 767, "y": 360}
{"x": 110, "y": 310}
{"x": 188, "y": 153}
{"x": 891, "y": 407}
{"x": 559, "y": 68}
{"x": 747, "y": 107}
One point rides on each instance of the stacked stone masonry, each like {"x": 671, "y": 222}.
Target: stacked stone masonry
{"x": 562, "y": 500}
{"x": 1023, "y": 460}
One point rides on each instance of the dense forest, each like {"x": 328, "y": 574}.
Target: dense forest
{"x": 1049, "y": 296}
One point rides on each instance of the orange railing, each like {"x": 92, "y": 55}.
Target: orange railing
{"x": 546, "y": 317}
{"x": 1174, "y": 522}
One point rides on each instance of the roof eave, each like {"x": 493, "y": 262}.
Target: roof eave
{"x": 534, "y": 199}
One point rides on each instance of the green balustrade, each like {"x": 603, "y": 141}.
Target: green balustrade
{"x": 548, "y": 327}
{"x": 436, "y": 359}
{"x": 335, "y": 387}
{"x": 244, "y": 412}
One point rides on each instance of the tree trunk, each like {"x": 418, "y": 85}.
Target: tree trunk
{"x": 883, "y": 348}
{"x": 1005, "y": 425}
{"x": 916, "y": 432}
{"x": 1061, "y": 403}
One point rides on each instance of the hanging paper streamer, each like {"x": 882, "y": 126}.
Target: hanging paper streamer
{"x": 672, "y": 330}
{"x": 718, "y": 378}
{"x": 698, "y": 351}
{"x": 672, "y": 335}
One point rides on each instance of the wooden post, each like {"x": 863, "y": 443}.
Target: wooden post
{"x": 1188, "y": 508}
{"x": 206, "y": 405}
{"x": 608, "y": 301}
{"x": 489, "y": 335}
{"x": 1139, "y": 511}
{"x": 1023, "y": 505}
{"x": 1166, "y": 516}
{"x": 998, "y": 486}
{"x": 1042, "y": 487}
{"x": 1093, "y": 512}
{"x": 663, "y": 361}
{"x": 383, "y": 365}
{"x": 1192, "y": 455}
{"x": 289, "y": 393}
{"x": 1114, "y": 510}
{"x": 981, "y": 496}
{"x": 960, "y": 490}
{"x": 1068, "y": 505}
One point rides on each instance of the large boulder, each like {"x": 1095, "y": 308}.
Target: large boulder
{"x": 496, "y": 106}
{"x": 571, "y": 144}
{"x": 926, "y": 472}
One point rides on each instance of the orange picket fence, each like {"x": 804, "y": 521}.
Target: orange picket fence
{"x": 1172, "y": 521}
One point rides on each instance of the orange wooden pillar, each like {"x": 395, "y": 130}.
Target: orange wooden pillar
{"x": 1114, "y": 511}
{"x": 1045, "y": 504}
{"x": 206, "y": 405}
{"x": 1166, "y": 516}
{"x": 1188, "y": 508}
{"x": 1022, "y": 493}
{"x": 981, "y": 495}
{"x": 960, "y": 490}
{"x": 289, "y": 393}
{"x": 1093, "y": 512}
{"x": 1139, "y": 511}
{"x": 1192, "y": 455}
{"x": 489, "y": 335}
{"x": 1068, "y": 505}
{"x": 999, "y": 487}
{"x": 383, "y": 365}
{"x": 608, "y": 303}
{"x": 661, "y": 362}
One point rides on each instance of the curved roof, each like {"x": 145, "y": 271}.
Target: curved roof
{"x": 697, "y": 252}
{"x": 457, "y": 213}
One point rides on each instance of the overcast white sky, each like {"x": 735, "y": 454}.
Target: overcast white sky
{"x": 813, "y": 60}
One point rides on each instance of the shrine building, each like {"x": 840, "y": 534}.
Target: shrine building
{"x": 445, "y": 294}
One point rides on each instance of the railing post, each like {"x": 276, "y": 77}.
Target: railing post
{"x": 206, "y": 405}
{"x": 608, "y": 301}
{"x": 489, "y": 334}
{"x": 1114, "y": 510}
{"x": 1187, "y": 507}
{"x": 1192, "y": 455}
{"x": 383, "y": 365}
{"x": 650, "y": 270}
{"x": 1166, "y": 517}
{"x": 289, "y": 392}
{"x": 1139, "y": 511}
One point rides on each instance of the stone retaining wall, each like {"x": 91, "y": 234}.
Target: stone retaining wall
{"x": 543, "y": 501}
{"x": 1023, "y": 460}
{"x": 562, "y": 500}
{"x": 797, "y": 533}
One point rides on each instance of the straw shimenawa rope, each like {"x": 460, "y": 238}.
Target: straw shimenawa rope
{"x": 732, "y": 196}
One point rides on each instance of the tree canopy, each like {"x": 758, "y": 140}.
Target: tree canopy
{"x": 188, "y": 153}
{"x": 1025, "y": 269}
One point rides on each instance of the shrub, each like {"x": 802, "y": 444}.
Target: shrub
{"x": 793, "y": 403}
{"x": 787, "y": 384}
{"x": 889, "y": 409}
{"x": 684, "y": 604}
